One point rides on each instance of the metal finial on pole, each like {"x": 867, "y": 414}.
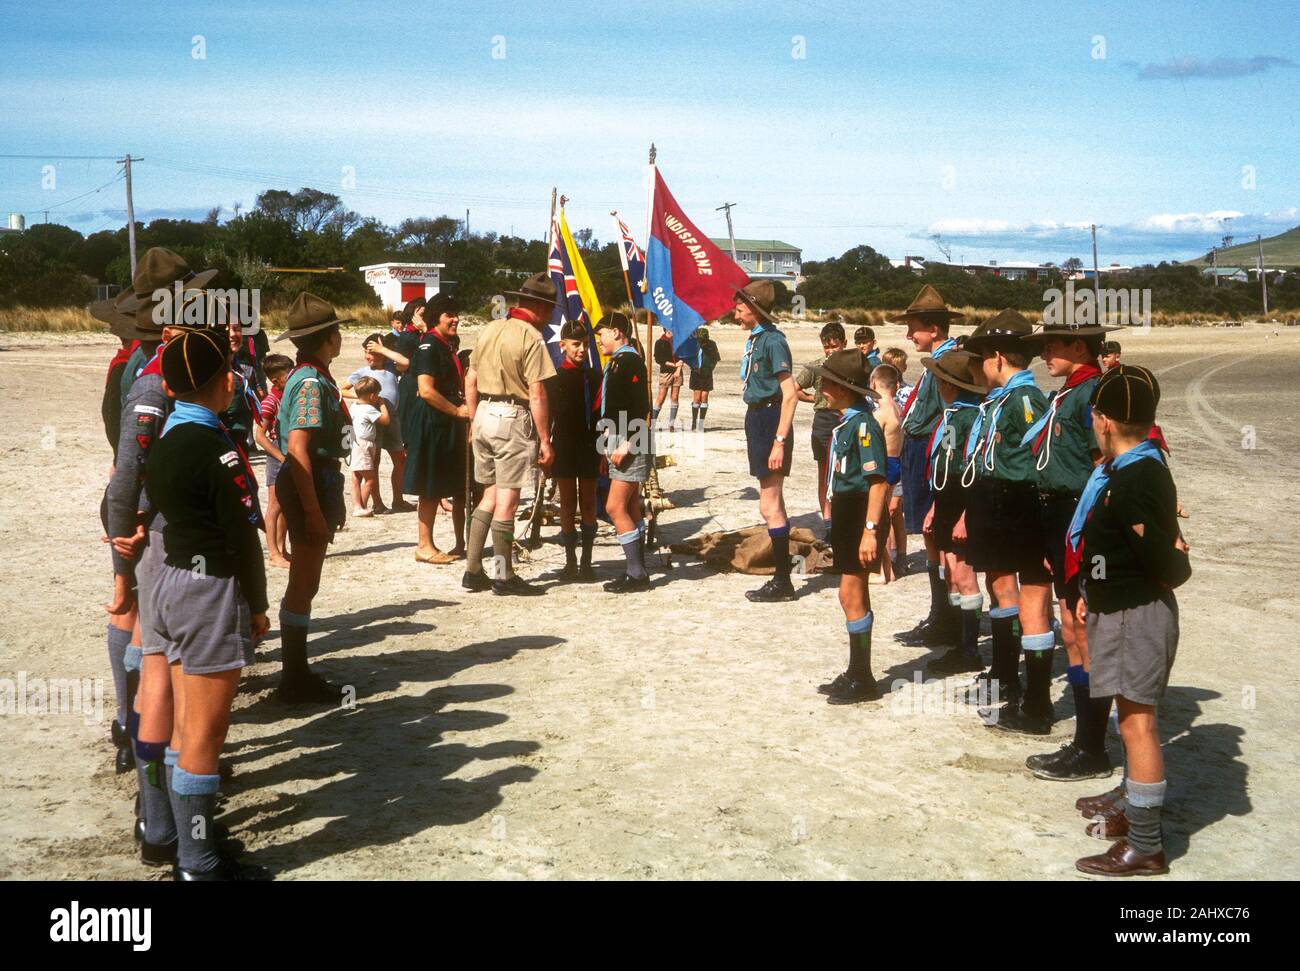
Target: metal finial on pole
{"x": 653, "y": 152}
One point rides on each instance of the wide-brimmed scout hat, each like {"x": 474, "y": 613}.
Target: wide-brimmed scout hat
{"x": 1071, "y": 331}
{"x": 160, "y": 269}
{"x": 1127, "y": 393}
{"x": 537, "y": 287}
{"x": 1009, "y": 328}
{"x": 847, "y": 367}
{"x": 308, "y": 314}
{"x": 927, "y": 308}
{"x": 120, "y": 323}
{"x": 954, "y": 367}
{"x": 759, "y": 296}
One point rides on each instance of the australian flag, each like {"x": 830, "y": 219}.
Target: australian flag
{"x": 633, "y": 261}
{"x": 568, "y": 303}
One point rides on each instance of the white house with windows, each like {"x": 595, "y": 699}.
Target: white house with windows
{"x": 766, "y": 259}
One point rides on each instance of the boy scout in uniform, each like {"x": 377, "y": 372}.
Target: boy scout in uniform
{"x": 1065, "y": 453}
{"x": 1004, "y": 527}
{"x": 770, "y": 400}
{"x": 506, "y": 394}
{"x": 1125, "y": 542}
{"x": 706, "y": 359}
{"x": 315, "y": 435}
{"x": 670, "y": 378}
{"x": 211, "y": 588}
{"x": 961, "y": 397}
{"x": 825, "y": 417}
{"x": 928, "y": 320}
{"x": 858, "y": 495}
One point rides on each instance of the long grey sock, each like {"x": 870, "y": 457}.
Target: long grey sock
{"x": 1145, "y": 802}
{"x": 118, "y": 641}
{"x": 194, "y": 806}
{"x": 155, "y": 798}
{"x": 704, "y": 410}
{"x": 480, "y": 524}
{"x": 672, "y": 416}
{"x": 503, "y": 545}
{"x": 630, "y": 542}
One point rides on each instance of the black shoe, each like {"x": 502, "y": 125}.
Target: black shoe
{"x": 516, "y": 586}
{"x": 569, "y": 572}
{"x": 1014, "y": 718}
{"x": 307, "y": 689}
{"x": 225, "y": 870}
{"x": 627, "y": 584}
{"x": 854, "y": 692}
{"x": 1079, "y": 765}
{"x": 774, "y": 591}
{"x": 125, "y": 760}
{"x": 117, "y": 731}
{"x": 933, "y": 635}
{"x": 916, "y": 631}
{"x": 836, "y": 684}
{"x": 587, "y": 573}
{"x": 955, "y": 661}
{"x": 1049, "y": 758}
{"x": 476, "y": 582}
{"x": 980, "y": 691}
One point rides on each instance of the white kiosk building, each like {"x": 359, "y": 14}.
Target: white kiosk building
{"x": 396, "y": 283}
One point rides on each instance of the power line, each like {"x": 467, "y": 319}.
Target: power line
{"x": 67, "y": 202}
{"x": 68, "y": 158}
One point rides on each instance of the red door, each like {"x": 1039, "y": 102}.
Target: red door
{"x": 411, "y": 290}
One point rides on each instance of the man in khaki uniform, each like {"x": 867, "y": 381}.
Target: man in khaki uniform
{"x": 510, "y": 429}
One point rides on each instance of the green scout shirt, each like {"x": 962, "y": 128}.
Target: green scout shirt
{"x": 857, "y": 452}
{"x": 311, "y": 401}
{"x": 1004, "y": 430}
{"x": 131, "y": 371}
{"x": 767, "y": 354}
{"x": 927, "y": 405}
{"x": 948, "y": 460}
{"x": 808, "y": 378}
{"x": 1064, "y": 460}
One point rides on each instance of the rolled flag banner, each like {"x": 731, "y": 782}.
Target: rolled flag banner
{"x": 689, "y": 280}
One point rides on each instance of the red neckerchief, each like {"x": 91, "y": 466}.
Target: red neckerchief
{"x": 154, "y": 366}
{"x": 306, "y": 360}
{"x": 120, "y": 358}
{"x": 1081, "y": 374}
{"x": 518, "y": 313}
{"x": 1157, "y": 436}
{"x": 568, "y": 365}
{"x": 460, "y": 371}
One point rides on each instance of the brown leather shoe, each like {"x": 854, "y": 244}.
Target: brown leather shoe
{"x": 1105, "y": 827}
{"x": 1089, "y": 806}
{"x": 1121, "y": 860}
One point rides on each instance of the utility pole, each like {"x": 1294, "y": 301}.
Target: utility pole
{"x": 1096, "y": 272}
{"x": 130, "y": 208}
{"x": 726, "y": 206}
{"x": 1263, "y": 280}
{"x": 467, "y": 224}
{"x": 1214, "y": 264}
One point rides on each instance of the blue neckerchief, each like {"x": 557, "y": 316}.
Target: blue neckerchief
{"x": 699, "y": 356}
{"x": 943, "y": 422}
{"x": 937, "y": 353}
{"x": 859, "y": 407}
{"x": 1097, "y": 483}
{"x": 759, "y": 328}
{"x": 997, "y": 398}
{"x": 604, "y": 376}
{"x": 187, "y": 412}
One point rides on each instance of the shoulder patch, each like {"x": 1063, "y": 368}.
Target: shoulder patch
{"x": 148, "y": 410}
{"x": 231, "y": 459}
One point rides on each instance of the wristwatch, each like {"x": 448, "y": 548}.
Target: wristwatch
{"x": 869, "y": 525}
{"x": 780, "y": 439}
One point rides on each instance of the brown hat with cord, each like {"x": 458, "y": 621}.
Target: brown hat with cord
{"x": 308, "y": 314}
{"x": 846, "y": 367}
{"x": 954, "y": 367}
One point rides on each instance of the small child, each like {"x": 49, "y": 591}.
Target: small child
{"x": 865, "y": 339}
{"x": 369, "y": 417}
{"x": 1126, "y": 547}
{"x": 382, "y": 365}
{"x": 896, "y": 358}
{"x": 267, "y": 434}
{"x": 884, "y": 381}
{"x": 858, "y": 491}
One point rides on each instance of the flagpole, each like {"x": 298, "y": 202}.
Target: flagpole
{"x": 649, "y": 225}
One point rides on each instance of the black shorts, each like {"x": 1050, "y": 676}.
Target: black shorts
{"x": 916, "y": 482}
{"x": 1056, "y": 510}
{"x": 328, "y": 480}
{"x": 848, "y": 514}
{"x": 700, "y": 381}
{"x": 761, "y": 422}
{"x": 1004, "y": 529}
{"x": 823, "y": 423}
{"x": 949, "y": 504}
{"x": 575, "y": 457}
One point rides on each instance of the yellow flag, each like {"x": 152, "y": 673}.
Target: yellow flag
{"x": 590, "y": 302}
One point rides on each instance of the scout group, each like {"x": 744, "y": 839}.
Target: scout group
{"x": 1063, "y": 501}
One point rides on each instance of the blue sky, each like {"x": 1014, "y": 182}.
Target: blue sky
{"x": 996, "y": 125}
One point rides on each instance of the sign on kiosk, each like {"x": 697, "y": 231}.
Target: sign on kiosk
{"x": 396, "y": 283}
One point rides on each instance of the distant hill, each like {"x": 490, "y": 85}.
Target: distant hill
{"x": 1280, "y": 252}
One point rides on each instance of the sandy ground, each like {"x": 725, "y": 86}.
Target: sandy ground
{"x": 676, "y": 734}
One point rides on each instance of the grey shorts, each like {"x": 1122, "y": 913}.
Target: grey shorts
{"x": 146, "y": 580}
{"x": 1131, "y": 652}
{"x": 636, "y": 468}
{"x": 505, "y": 444}
{"x": 203, "y": 622}
{"x": 390, "y": 435}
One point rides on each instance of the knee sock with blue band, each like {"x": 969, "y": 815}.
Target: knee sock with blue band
{"x": 859, "y": 631}
{"x": 630, "y": 543}
{"x": 1039, "y": 651}
{"x": 780, "y": 537}
{"x": 970, "y": 605}
{"x": 293, "y": 642}
{"x": 196, "y": 803}
{"x": 1006, "y": 648}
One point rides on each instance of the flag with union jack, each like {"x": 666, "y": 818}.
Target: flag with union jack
{"x": 633, "y": 260}
{"x": 568, "y": 305}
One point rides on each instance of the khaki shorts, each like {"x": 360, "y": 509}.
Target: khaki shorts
{"x": 505, "y": 444}
{"x": 671, "y": 379}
